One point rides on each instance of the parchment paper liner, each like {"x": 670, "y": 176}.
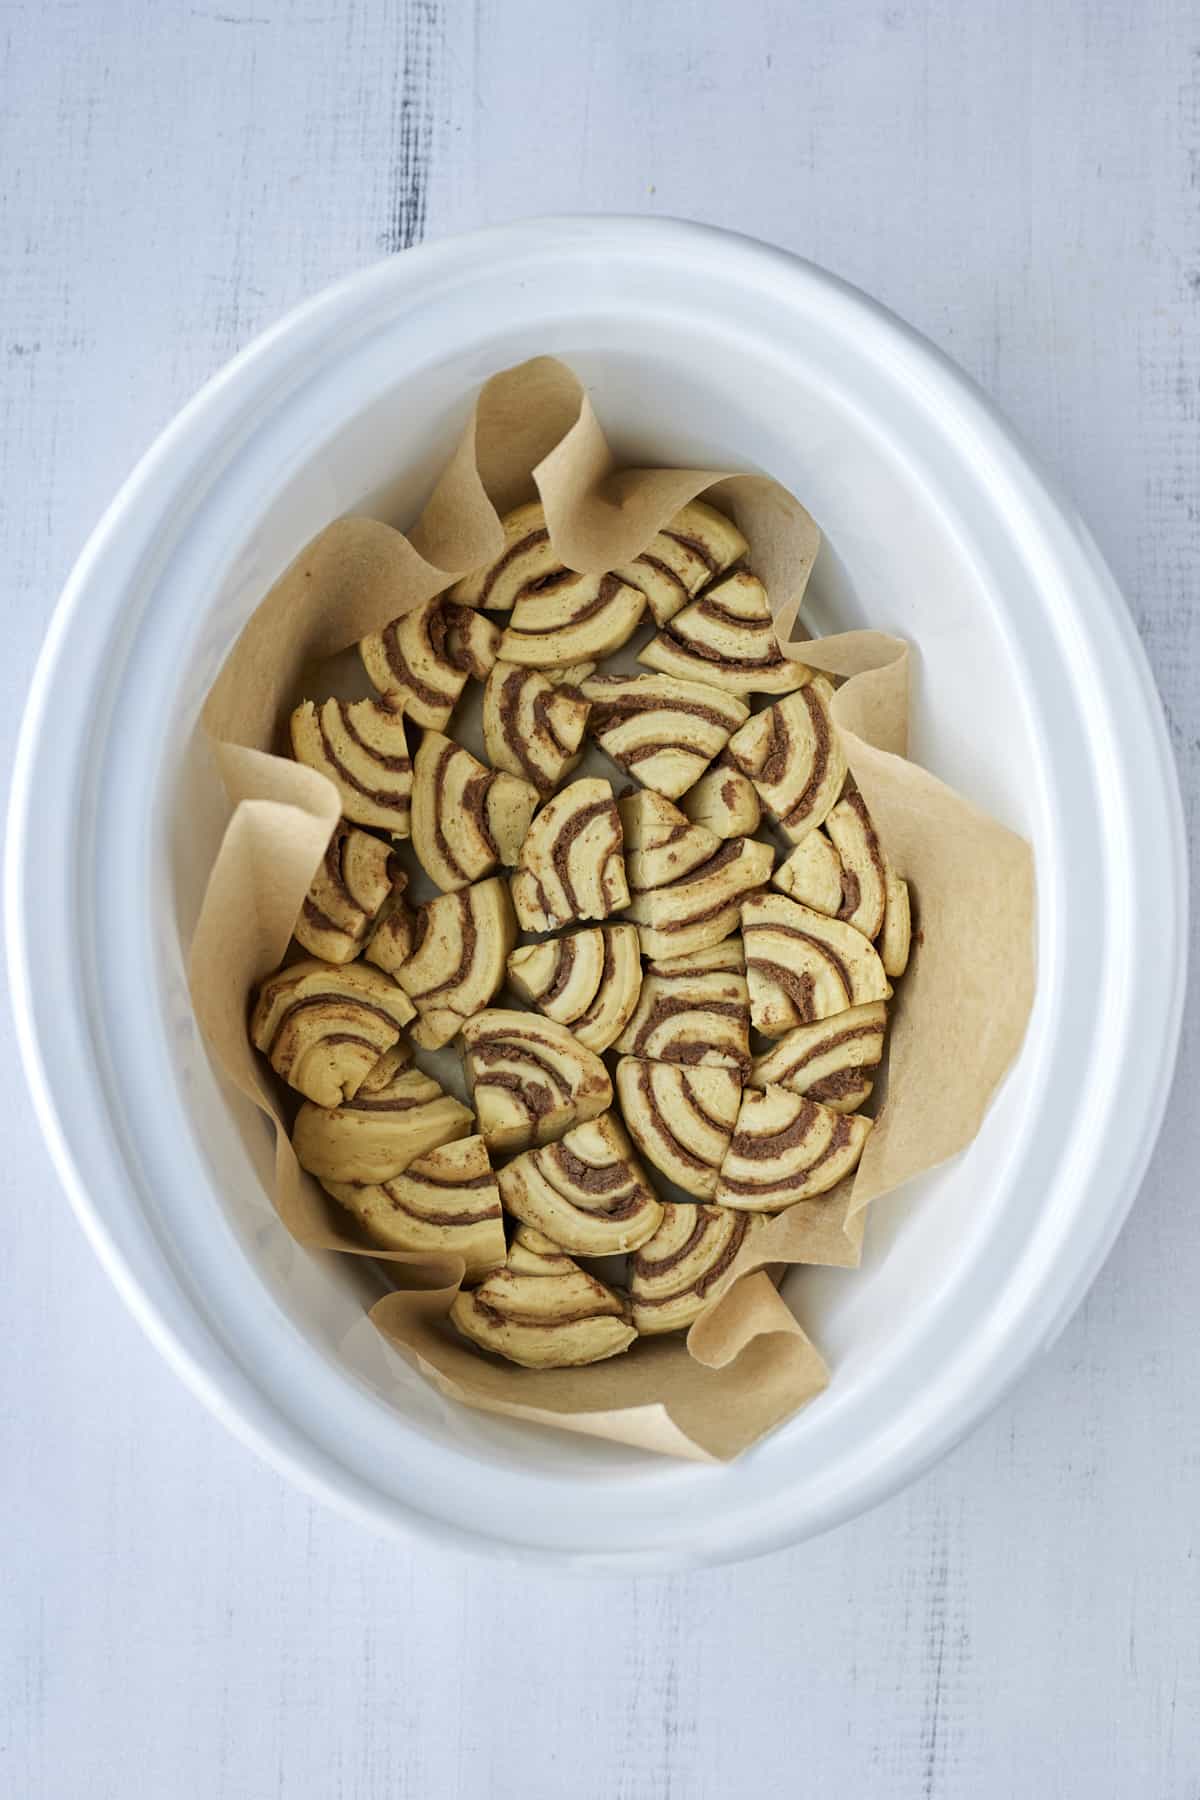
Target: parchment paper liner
{"x": 959, "y": 1014}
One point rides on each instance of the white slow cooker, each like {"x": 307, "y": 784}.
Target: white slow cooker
{"x": 1032, "y": 696}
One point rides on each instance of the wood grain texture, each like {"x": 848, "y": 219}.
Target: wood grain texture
{"x": 1019, "y": 180}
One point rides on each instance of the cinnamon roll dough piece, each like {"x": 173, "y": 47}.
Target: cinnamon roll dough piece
{"x": 728, "y": 958}
{"x": 472, "y": 642}
{"x": 787, "y": 1148}
{"x": 724, "y": 801}
{"x": 533, "y": 1253}
{"x": 661, "y": 843}
{"x": 465, "y": 818}
{"x": 586, "y": 1192}
{"x": 727, "y": 638}
{"x": 570, "y": 675}
{"x": 398, "y": 1114}
{"x": 574, "y": 619}
{"x": 702, "y": 908}
{"x": 445, "y": 1202}
{"x": 794, "y": 757}
{"x": 588, "y": 980}
{"x": 692, "y": 548}
{"x": 662, "y": 730}
{"x": 896, "y": 937}
{"x": 691, "y": 1012}
{"x": 571, "y": 862}
{"x": 844, "y": 1093}
{"x": 531, "y": 1079}
{"x": 674, "y": 1276}
{"x": 324, "y": 1028}
{"x": 361, "y": 746}
{"x": 863, "y": 865}
{"x": 830, "y": 1061}
{"x": 812, "y": 874}
{"x": 559, "y": 1318}
{"x": 456, "y": 963}
{"x": 531, "y": 726}
{"x": 802, "y": 966}
{"x": 718, "y": 958}
{"x": 681, "y": 1119}
{"x": 526, "y": 565}
{"x": 359, "y": 875}
{"x": 391, "y": 943}
{"x": 420, "y": 662}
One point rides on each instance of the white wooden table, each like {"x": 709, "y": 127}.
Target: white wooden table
{"x": 1020, "y": 179}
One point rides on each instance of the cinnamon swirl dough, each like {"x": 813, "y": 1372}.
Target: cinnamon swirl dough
{"x": 570, "y": 675}
{"x": 693, "y": 547}
{"x": 728, "y": 957}
{"x": 391, "y": 942}
{"x": 724, "y": 801}
{"x": 812, "y": 874}
{"x": 446, "y": 1202}
{"x": 858, "y": 885}
{"x": 361, "y": 746}
{"x": 558, "y": 617}
{"x": 896, "y": 937}
{"x": 845, "y": 1092}
{"x": 681, "y": 1119}
{"x": 703, "y": 907}
{"x": 397, "y": 1115}
{"x": 802, "y": 966}
{"x": 787, "y": 1148}
{"x": 831, "y": 1061}
{"x": 581, "y": 617}
{"x": 661, "y": 843}
{"x": 571, "y": 862}
{"x": 527, "y": 564}
{"x": 586, "y": 1192}
{"x": 324, "y": 1028}
{"x": 543, "y": 1311}
{"x": 673, "y": 1276}
{"x": 691, "y": 1012}
{"x": 727, "y": 639}
{"x": 359, "y": 875}
{"x": 588, "y": 980}
{"x": 661, "y": 730}
{"x": 455, "y": 965}
{"x": 532, "y": 1253}
{"x": 465, "y": 818}
{"x": 863, "y": 880}
{"x": 532, "y": 727}
{"x": 794, "y": 757}
{"x": 531, "y": 1080}
{"x": 421, "y": 661}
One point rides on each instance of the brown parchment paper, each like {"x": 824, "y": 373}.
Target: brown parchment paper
{"x": 960, "y": 1010}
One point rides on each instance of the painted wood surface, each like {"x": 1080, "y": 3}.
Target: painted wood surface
{"x": 1021, "y": 181}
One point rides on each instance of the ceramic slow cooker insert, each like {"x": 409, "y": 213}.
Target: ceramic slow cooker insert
{"x": 1031, "y": 696}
